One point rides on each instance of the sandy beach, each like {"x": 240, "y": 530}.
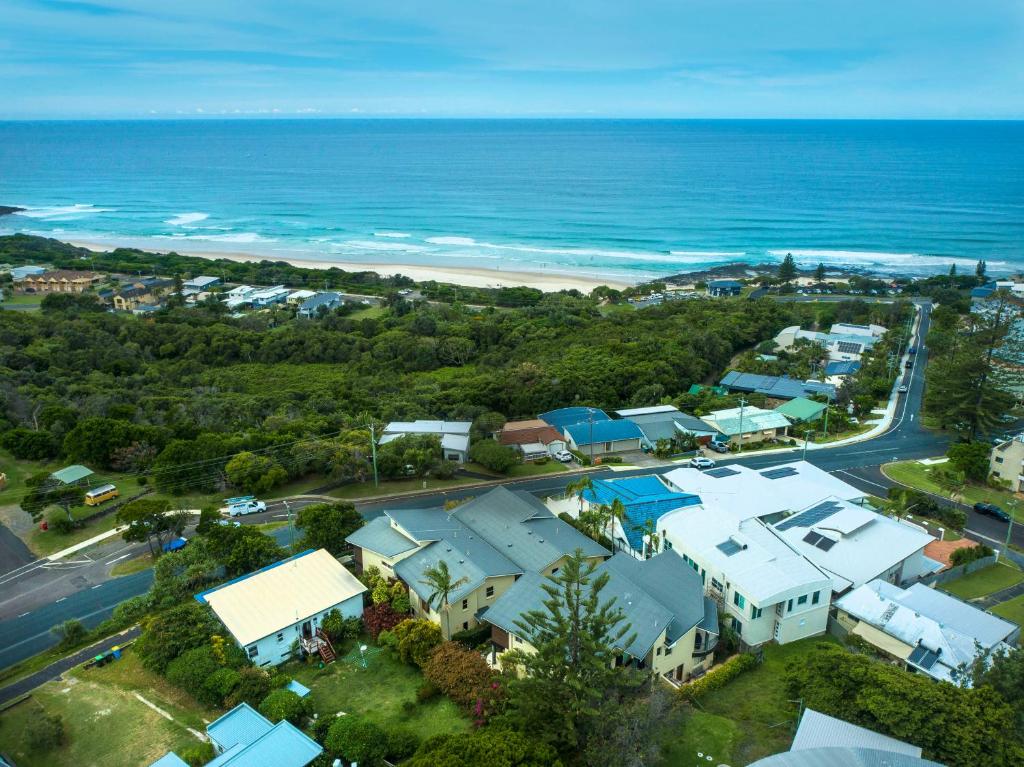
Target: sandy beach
{"x": 475, "y": 277}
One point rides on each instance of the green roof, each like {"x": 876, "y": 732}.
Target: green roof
{"x": 70, "y": 474}
{"x": 801, "y": 409}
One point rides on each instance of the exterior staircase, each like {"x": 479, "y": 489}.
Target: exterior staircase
{"x": 327, "y": 654}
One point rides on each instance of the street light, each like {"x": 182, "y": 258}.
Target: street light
{"x": 1009, "y": 527}
{"x": 807, "y": 438}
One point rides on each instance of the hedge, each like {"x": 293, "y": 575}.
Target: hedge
{"x": 719, "y": 677}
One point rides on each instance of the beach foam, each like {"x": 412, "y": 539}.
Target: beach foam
{"x": 453, "y": 241}
{"x": 392, "y": 235}
{"x": 184, "y": 219}
{"x": 883, "y": 261}
{"x": 62, "y": 212}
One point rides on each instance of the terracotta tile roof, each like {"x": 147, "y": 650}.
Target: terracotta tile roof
{"x": 941, "y": 551}
{"x": 544, "y": 434}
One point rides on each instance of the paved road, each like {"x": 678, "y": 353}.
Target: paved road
{"x": 38, "y": 596}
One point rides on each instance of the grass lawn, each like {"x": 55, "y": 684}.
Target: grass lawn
{"x": 22, "y": 299}
{"x": 377, "y": 693}
{"x": 856, "y": 429}
{"x": 536, "y": 469}
{"x": 919, "y": 476}
{"x": 367, "y": 490}
{"x": 749, "y": 718}
{"x": 986, "y": 581}
{"x": 104, "y": 722}
{"x": 130, "y": 566}
{"x": 1013, "y": 610}
{"x": 369, "y": 313}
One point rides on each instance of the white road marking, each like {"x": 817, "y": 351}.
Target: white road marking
{"x": 60, "y": 600}
{"x": 24, "y": 614}
{"x": 98, "y": 586}
{"x": 123, "y": 556}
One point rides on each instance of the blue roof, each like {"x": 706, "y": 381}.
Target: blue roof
{"x": 169, "y": 759}
{"x": 603, "y": 431}
{"x": 567, "y": 416}
{"x": 984, "y": 291}
{"x": 644, "y": 498}
{"x": 733, "y": 284}
{"x": 298, "y": 688}
{"x": 248, "y": 739}
{"x": 842, "y": 368}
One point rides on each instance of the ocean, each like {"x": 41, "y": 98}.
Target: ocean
{"x": 627, "y": 200}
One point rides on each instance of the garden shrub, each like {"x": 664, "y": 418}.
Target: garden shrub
{"x": 414, "y": 639}
{"x": 461, "y": 674}
{"x": 967, "y": 555}
{"x": 197, "y": 755}
{"x": 427, "y": 692}
{"x": 356, "y": 740}
{"x": 253, "y": 686}
{"x": 70, "y": 632}
{"x": 378, "y": 618}
{"x": 192, "y": 670}
{"x": 473, "y": 637}
{"x": 44, "y": 732}
{"x": 167, "y": 635}
{"x": 401, "y": 744}
{"x": 221, "y": 684}
{"x": 338, "y": 629}
{"x": 717, "y": 678}
{"x": 283, "y": 704}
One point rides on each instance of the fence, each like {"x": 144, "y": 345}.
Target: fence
{"x": 945, "y": 576}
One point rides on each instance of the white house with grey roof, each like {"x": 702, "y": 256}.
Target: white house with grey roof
{"x": 765, "y": 589}
{"x": 853, "y": 544}
{"x": 927, "y": 630}
{"x": 673, "y": 626}
{"x": 743, "y": 425}
{"x": 490, "y": 541}
{"x": 454, "y": 435}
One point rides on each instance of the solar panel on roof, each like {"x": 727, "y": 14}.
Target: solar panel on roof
{"x": 848, "y": 347}
{"x": 812, "y": 537}
{"x": 729, "y": 547}
{"x": 922, "y": 657}
{"x": 811, "y": 517}
{"x": 819, "y": 541}
{"x": 724, "y": 471}
{"x": 787, "y": 471}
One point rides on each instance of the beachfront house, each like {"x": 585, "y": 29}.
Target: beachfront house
{"x": 245, "y": 738}
{"x": 673, "y": 626}
{"x": 201, "y": 283}
{"x": 836, "y": 373}
{"x": 1006, "y": 462}
{"x": 319, "y": 303}
{"x": 926, "y": 630}
{"x": 776, "y": 388}
{"x": 667, "y": 422}
{"x": 267, "y": 296}
{"x": 591, "y": 431}
{"x": 454, "y": 435}
{"x": 802, "y": 410}
{"x": 534, "y": 438}
{"x": 844, "y": 341}
{"x": 853, "y": 544}
{"x": 490, "y": 541}
{"x": 298, "y": 296}
{"x": 275, "y": 610}
{"x": 722, "y": 288}
{"x": 59, "y": 281}
{"x": 744, "y": 425}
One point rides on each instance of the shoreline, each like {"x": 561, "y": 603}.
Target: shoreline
{"x": 473, "y": 277}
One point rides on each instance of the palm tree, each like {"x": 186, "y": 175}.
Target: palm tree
{"x": 609, "y": 513}
{"x": 439, "y": 580}
{"x": 650, "y": 532}
{"x": 578, "y": 487}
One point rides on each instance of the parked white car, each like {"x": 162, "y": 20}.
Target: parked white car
{"x": 564, "y": 456}
{"x": 239, "y": 507}
{"x": 700, "y": 462}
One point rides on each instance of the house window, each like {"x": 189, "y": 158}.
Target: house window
{"x": 737, "y": 627}
{"x": 658, "y": 651}
{"x": 755, "y": 612}
{"x": 716, "y": 585}
{"x": 607, "y": 447}
{"x": 738, "y": 600}
{"x": 424, "y": 606}
{"x": 385, "y": 564}
{"x": 814, "y": 597}
{"x": 490, "y": 591}
{"x": 686, "y": 559}
{"x": 999, "y": 459}
{"x": 253, "y": 651}
{"x": 703, "y": 574}
{"x": 465, "y": 626}
{"x": 802, "y": 600}
{"x": 465, "y": 604}
{"x": 668, "y": 544}
{"x": 789, "y": 607}
{"x": 554, "y": 570}
{"x": 668, "y": 651}
{"x": 280, "y": 637}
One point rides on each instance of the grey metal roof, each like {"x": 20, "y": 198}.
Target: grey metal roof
{"x": 710, "y": 620}
{"x": 424, "y": 524}
{"x": 523, "y": 529}
{"x": 778, "y": 387}
{"x": 842, "y": 757}
{"x": 656, "y": 595}
{"x": 819, "y": 730}
{"x": 378, "y": 535}
{"x": 461, "y": 564}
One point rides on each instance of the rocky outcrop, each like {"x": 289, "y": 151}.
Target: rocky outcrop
{"x": 6, "y": 210}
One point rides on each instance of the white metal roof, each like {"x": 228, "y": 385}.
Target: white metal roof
{"x": 646, "y": 410}
{"x": 748, "y": 493}
{"x": 276, "y": 597}
{"x": 428, "y": 427}
{"x": 819, "y": 730}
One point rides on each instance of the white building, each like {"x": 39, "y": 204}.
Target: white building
{"x": 298, "y": 296}
{"x": 1007, "y": 462}
{"x": 267, "y": 296}
{"x": 742, "y": 425}
{"x": 268, "y": 610}
{"x": 768, "y": 591}
{"x": 454, "y": 435}
{"x": 200, "y": 283}
{"x": 746, "y": 493}
{"x": 854, "y": 545}
{"x": 843, "y": 342}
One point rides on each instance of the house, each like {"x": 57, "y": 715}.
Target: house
{"x": 767, "y": 494}
{"x": 719, "y": 288}
{"x": 320, "y": 303}
{"x": 643, "y": 498}
{"x": 601, "y": 437}
{"x": 927, "y": 630}
{"x": 776, "y": 387}
{"x": 19, "y": 273}
{"x": 240, "y": 291}
{"x": 244, "y": 738}
{"x": 59, "y": 281}
{"x": 837, "y": 372}
{"x": 673, "y": 626}
{"x": 822, "y": 740}
{"x": 268, "y": 610}
{"x": 667, "y": 422}
{"x": 854, "y": 545}
{"x": 567, "y": 416}
{"x": 298, "y": 296}
{"x": 490, "y": 541}
{"x": 143, "y": 292}
{"x": 201, "y": 283}
{"x": 267, "y": 296}
{"x": 765, "y": 590}
{"x": 802, "y": 410}
{"x": 533, "y": 438}
{"x": 454, "y": 435}
{"x": 741, "y": 425}
{"x": 1007, "y": 462}
{"x": 844, "y": 342}
{"x": 72, "y": 475}
{"x": 984, "y": 291}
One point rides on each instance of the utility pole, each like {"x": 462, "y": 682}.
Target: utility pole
{"x": 373, "y": 452}
{"x": 590, "y": 418}
{"x": 291, "y": 526}
{"x": 807, "y": 438}
{"x": 1009, "y": 527}
{"x": 739, "y": 446}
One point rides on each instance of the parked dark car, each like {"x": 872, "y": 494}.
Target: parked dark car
{"x": 719, "y": 447}
{"x": 991, "y": 510}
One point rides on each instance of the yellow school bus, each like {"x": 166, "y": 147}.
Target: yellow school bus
{"x": 98, "y": 495}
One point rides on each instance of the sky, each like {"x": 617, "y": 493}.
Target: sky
{"x": 138, "y": 59}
